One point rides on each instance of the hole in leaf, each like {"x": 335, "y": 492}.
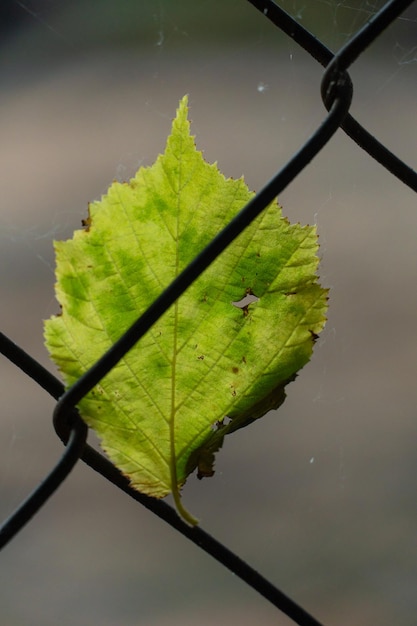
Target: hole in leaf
{"x": 219, "y": 424}
{"x": 247, "y": 299}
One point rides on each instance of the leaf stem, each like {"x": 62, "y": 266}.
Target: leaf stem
{"x": 186, "y": 515}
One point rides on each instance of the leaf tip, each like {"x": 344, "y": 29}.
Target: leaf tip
{"x": 182, "y": 110}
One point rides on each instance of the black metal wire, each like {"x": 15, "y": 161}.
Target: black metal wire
{"x": 337, "y": 94}
{"x": 48, "y": 486}
{"x": 323, "y": 55}
{"x": 77, "y": 435}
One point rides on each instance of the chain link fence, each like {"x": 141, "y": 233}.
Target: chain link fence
{"x": 336, "y": 92}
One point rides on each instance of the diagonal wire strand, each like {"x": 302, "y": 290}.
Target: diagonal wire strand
{"x": 324, "y": 56}
{"x": 75, "y": 438}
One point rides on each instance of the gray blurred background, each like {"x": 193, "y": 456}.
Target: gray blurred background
{"x": 319, "y": 496}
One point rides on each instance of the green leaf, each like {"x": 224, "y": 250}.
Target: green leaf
{"x": 215, "y": 361}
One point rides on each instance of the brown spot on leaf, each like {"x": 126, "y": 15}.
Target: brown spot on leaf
{"x": 205, "y": 467}
{"x": 235, "y": 370}
{"x": 314, "y": 335}
{"x": 86, "y": 223}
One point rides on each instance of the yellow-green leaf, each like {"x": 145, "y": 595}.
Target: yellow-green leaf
{"x": 222, "y": 354}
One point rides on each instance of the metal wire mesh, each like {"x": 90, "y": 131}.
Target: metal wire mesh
{"x": 336, "y": 91}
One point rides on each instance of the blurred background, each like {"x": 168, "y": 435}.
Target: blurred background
{"x": 319, "y": 496}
